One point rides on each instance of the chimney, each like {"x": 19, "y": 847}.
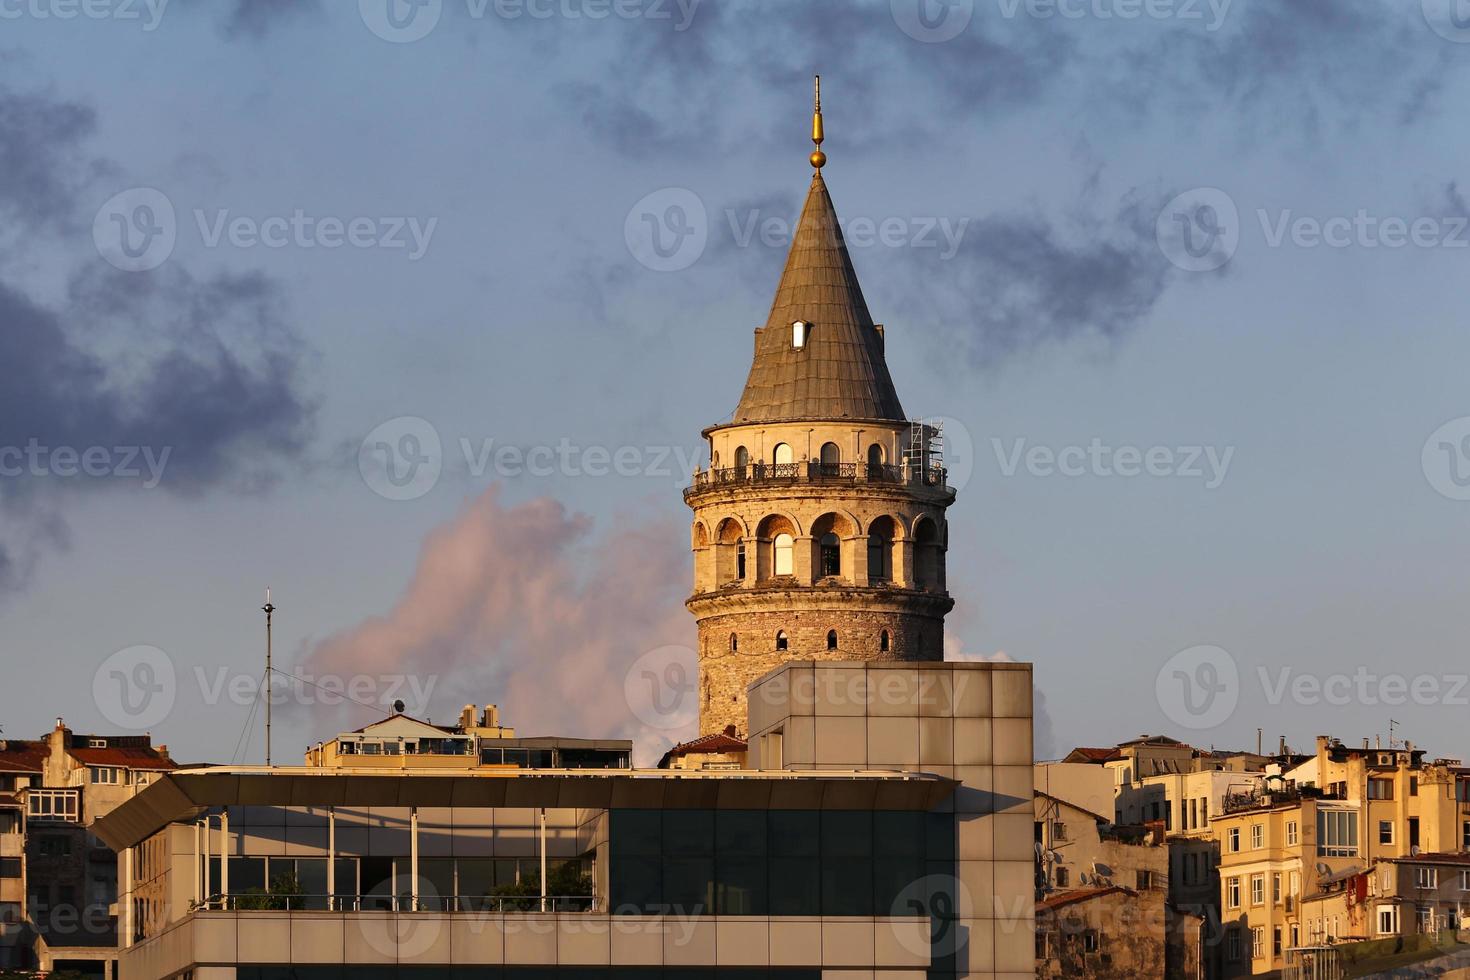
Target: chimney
{"x": 467, "y": 716}
{"x": 162, "y": 750}
{"x": 1281, "y": 748}
{"x": 492, "y": 716}
{"x": 1365, "y": 743}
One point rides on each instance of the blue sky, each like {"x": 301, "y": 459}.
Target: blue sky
{"x": 1318, "y": 345}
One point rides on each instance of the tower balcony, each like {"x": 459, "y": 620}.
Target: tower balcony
{"x": 909, "y": 476}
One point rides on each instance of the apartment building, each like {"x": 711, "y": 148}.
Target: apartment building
{"x": 58, "y": 882}
{"x": 1312, "y": 829}
{"x": 477, "y": 741}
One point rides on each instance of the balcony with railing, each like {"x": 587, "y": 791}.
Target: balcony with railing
{"x": 817, "y": 472}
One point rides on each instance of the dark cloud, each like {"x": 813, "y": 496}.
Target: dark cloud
{"x": 41, "y": 158}
{"x": 257, "y": 18}
{"x": 209, "y": 370}
{"x": 1020, "y": 281}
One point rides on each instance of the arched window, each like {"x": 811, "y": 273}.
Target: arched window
{"x": 831, "y": 459}
{"x": 883, "y": 642}
{"x": 784, "y": 549}
{"x": 734, "y": 643}
{"x": 740, "y": 559}
{"x": 875, "y": 461}
{"x": 831, "y": 555}
{"x": 742, "y": 460}
{"x": 781, "y": 642}
{"x": 831, "y": 639}
{"x": 782, "y": 455}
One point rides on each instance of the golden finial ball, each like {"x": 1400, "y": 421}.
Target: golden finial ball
{"x": 818, "y": 158}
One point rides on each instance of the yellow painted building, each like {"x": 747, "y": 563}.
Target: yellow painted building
{"x": 1318, "y": 824}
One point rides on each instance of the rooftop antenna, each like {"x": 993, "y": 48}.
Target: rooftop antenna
{"x": 268, "y": 609}
{"x": 1391, "y": 726}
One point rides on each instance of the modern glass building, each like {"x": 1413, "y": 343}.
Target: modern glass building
{"x": 883, "y": 829}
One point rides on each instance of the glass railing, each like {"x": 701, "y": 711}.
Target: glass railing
{"x": 496, "y": 904}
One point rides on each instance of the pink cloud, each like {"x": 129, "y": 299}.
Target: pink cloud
{"x": 526, "y": 607}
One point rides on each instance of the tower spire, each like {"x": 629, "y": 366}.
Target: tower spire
{"x": 818, "y": 158}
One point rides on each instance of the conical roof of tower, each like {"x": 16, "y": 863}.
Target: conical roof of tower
{"x": 839, "y": 373}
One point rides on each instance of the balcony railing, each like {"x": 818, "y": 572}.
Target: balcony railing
{"x": 814, "y": 471}
{"x": 495, "y": 904}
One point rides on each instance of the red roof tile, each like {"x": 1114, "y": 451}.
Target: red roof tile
{"x": 1081, "y": 895}
{"x": 22, "y": 756}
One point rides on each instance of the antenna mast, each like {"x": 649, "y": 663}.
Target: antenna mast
{"x": 268, "y": 609}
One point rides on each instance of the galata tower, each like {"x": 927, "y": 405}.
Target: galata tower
{"x": 819, "y": 526}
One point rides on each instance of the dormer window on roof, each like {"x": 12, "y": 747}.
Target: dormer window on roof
{"x": 798, "y": 334}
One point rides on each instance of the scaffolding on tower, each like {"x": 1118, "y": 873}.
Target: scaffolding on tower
{"x": 924, "y": 453}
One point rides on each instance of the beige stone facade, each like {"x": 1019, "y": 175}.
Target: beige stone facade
{"x": 819, "y": 530}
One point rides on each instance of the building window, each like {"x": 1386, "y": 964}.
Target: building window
{"x": 1337, "y": 833}
{"x": 10, "y": 868}
{"x": 831, "y": 555}
{"x": 781, "y": 641}
{"x": 1258, "y": 942}
{"x": 1425, "y": 915}
{"x": 1258, "y": 836}
{"x": 1465, "y": 881}
{"x": 740, "y": 560}
{"x": 783, "y": 455}
{"x": 54, "y": 845}
{"x": 1193, "y": 815}
{"x": 1258, "y": 889}
{"x": 1276, "y": 888}
{"x": 1385, "y": 831}
{"x": 1413, "y": 785}
{"x": 831, "y": 459}
{"x": 1090, "y": 941}
{"x": 1276, "y": 941}
{"x": 831, "y": 639}
{"x": 1426, "y": 877}
{"x": 784, "y": 547}
{"x": 798, "y": 334}
{"x": 1232, "y": 944}
{"x": 1145, "y": 880}
{"x": 875, "y": 461}
{"x": 734, "y": 643}
{"x": 1232, "y": 893}
{"x": 107, "y": 775}
{"x": 1388, "y": 920}
{"x": 1063, "y": 877}
{"x": 883, "y": 641}
{"x": 1465, "y": 836}
{"x": 1291, "y": 840}
{"x": 1380, "y": 789}
{"x": 1058, "y": 830}
{"x": 742, "y": 460}
{"x": 1233, "y": 840}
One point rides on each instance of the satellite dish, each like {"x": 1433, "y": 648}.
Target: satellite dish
{"x": 1083, "y": 879}
{"x": 398, "y": 706}
{"x": 1416, "y": 849}
{"x": 1102, "y": 869}
{"x": 1039, "y": 850}
{"x": 1323, "y": 869}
